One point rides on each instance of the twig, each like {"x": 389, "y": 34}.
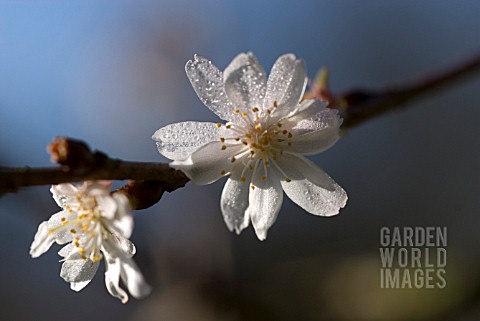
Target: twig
{"x": 358, "y": 106}
{"x": 79, "y": 163}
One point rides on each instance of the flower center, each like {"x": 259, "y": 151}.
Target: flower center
{"x": 264, "y": 141}
{"x": 86, "y": 228}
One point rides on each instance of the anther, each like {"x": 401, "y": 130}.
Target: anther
{"x": 223, "y": 172}
{"x": 279, "y": 124}
{"x": 255, "y": 109}
{"x": 236, "y": 111}
{"x": 275, "y": 104}
{"x": 258, "y": 127}
{"x": 288, "y": 180}
{"x": 233, "y": 159}
{"x": 224, "y": 147}
{"x": 73, "y": 231}
{"x": 244, "y": 114}
{"x": 222, "y": 139}
{"x": 243, "y": 178}
{"x": 218, "y": 125}
{"x": 253, "y": 187}
{"x": 228, "y": 126}
{"x": 290, "y": 135}
{"x": 284, "y": 131}
{"x": 264, "y": 177}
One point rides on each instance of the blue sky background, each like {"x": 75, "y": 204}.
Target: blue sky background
{"x": 112, "y": 72}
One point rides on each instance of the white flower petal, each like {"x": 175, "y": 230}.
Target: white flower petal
{"x": 112, "y": 278}
{"x": 178, "y": 141}
{"x": 122, "y": 223}
{"x": 265, "y": 201}
{"x": 245, "y": 82}
{"x": 134, "y": 280}
{"x": 207, "y": 81}
{"x": 317, "y": 133}
{"x": 64, "y": 194}
{"x": 53, "y": 230}
{"x": 79, "y": 271}
{"x": 59, "y": 228}
{"x": 234, "y": 200}
{"x": 67, "y": 250}
{"x": 107, "y": 205}
{"x": 310, "y": 187}
{"x": 285, "y": 86}
{"x": 209, "y": 163}
{"x": 307, "y": 109}
{"x": 42, "y": 241}
{"x": 123, "y": 244}
{"x": 77, "y": 286}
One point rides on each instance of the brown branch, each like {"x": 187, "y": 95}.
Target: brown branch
{"x": 78, "y": 163}
{"x": 360, "y": 105}
{"x": 148, "y": 181}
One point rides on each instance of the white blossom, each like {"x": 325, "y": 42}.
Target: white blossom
{"x": 95, "y": 225}
{"x": 268, "y": 131}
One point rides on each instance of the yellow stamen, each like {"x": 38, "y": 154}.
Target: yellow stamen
{"x": 243, "y": 178}
{"x": 275, "y": 104}
{"x": 223, "y": 172}
{"x": 236, "y": 111}
{"x": 222, "y": 139}
{"x": 224, "y": 147}
{"x": 218, "y": 125}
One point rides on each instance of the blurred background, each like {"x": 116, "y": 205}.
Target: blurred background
{"x": 112, "y": 72}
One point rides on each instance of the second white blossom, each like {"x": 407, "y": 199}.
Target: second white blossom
{"x": 95, "y": 225}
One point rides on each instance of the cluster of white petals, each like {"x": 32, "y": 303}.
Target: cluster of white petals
{"x": 95, "y": 225}
{"x": 268, "y": 131}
